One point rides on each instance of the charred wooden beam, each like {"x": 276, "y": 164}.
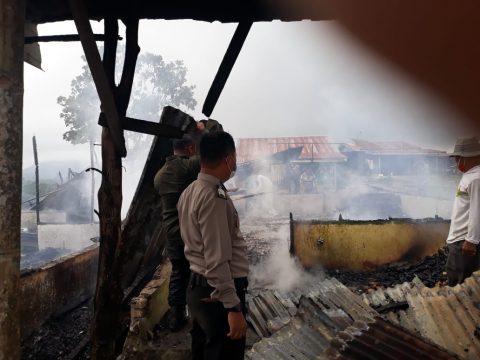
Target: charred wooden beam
{"x": 102, "y": 84}
{"x": 131, "y": 54}
{"x": 108, "y": 313}
{"x": 61, "y": 38}
{"x": 11, "y": 124}
{"x": 146, "y": 127}
{"x": 142, "y": 228}
{"x": 226, "y": 66}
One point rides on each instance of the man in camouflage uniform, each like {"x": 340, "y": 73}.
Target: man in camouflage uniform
{"x": 179, "y": 171}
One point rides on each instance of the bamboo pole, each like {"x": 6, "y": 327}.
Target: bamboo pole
{"x": 12, "y": 20}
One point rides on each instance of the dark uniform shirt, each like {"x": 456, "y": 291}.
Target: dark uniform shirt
{"x": 177, "y": 173}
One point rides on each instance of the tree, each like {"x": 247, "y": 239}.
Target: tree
{"x": 156, "y": 84}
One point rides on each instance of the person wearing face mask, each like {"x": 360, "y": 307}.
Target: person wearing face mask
{"x": 464, "y": 235}
{"x": 217, "y": 253}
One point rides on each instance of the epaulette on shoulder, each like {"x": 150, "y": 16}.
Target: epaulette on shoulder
{"x": 221, "y": 193}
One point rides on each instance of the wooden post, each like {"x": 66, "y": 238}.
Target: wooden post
{"x": 12, "y": 20}
{"x": 37, "y": 180}
{"x": 109, "y": 292}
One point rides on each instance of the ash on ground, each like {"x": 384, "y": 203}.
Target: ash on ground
{"x": 59, "y": 337}
{"x": 271, "y": 265}
{"x": 431, "y": 270}
{"x": 264, "y": 235}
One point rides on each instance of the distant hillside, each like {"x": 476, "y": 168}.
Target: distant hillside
{"x": 48, "y": 170}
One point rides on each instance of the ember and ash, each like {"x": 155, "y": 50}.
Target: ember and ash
{"x": 430, "y": 270}
{"x": 273, "y": 267}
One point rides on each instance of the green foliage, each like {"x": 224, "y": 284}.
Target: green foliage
{"x": 157, "y": 83}
{"x": 80, "y": 109}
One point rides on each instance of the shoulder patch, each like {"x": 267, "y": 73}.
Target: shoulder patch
{"x": 221, "y": 193}
{"x": 461, "y": 193}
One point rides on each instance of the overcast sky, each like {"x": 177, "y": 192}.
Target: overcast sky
{"x": 290, "y": 79}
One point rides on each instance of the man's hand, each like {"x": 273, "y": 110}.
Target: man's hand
{"x": 237, "y": 324}
{"x": 200, "y": 125}
{"x": 469, "y": 249}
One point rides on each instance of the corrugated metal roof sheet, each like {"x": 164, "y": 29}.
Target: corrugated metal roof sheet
{"x": 328, "y": 321}
{"x": 448, "y": 316}
{"x": 314, "y": 148}
{"x": 392, "y": 148}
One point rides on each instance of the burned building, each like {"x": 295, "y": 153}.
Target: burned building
{"x": 395, "y": 158}
{"x": 315, "y": 158}
{"x": 328, "y": 310}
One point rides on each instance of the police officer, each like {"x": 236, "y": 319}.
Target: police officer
{"x": 217, "y": 254}
{"x": 179, "y": 171}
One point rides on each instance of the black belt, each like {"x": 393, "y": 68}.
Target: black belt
{"x": 200, "y": 280}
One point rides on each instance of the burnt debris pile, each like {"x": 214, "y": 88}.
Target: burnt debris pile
{"x": 430, "y": 270}
{"x": 64, "y": 337}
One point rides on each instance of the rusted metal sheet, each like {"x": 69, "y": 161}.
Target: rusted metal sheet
{"x": 392, "y": 148}
{"x": 271, "y": 310}
{"x": 361, "y": 245}
{"x": 383, "y": 340}
{"x": 328, "y": 321}
{"x": 56, "y": 288}
{"x": 314, "y": 148}
{"x": 448, "y": 316}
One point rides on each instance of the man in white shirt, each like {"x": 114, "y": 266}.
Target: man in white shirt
{"x": 464, "y": 236}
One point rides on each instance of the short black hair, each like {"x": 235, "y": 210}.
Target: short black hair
{"x": 215, "y": 146}
{"x": 183, "y": 143}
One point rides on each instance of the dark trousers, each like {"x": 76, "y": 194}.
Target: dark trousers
{"x": 210, "y": 324}
{"x": 459, "y": 266}
{"x": 177, "y": 288}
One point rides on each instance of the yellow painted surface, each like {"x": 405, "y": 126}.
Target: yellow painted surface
{"x": 363, "y": 245}
{"x": 157, "y": 300}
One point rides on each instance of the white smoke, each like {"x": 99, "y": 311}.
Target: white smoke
{"x": 278, "y": 270}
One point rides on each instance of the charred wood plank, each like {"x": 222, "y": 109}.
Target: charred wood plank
{"x": 146, "y": 127}
{"x": 226, "y": 66}
{"x": 142, "y": 228}
{"x": 62, "y": 38}
{"x": 102, "y": 83}
{"x": 393, "y": 306}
